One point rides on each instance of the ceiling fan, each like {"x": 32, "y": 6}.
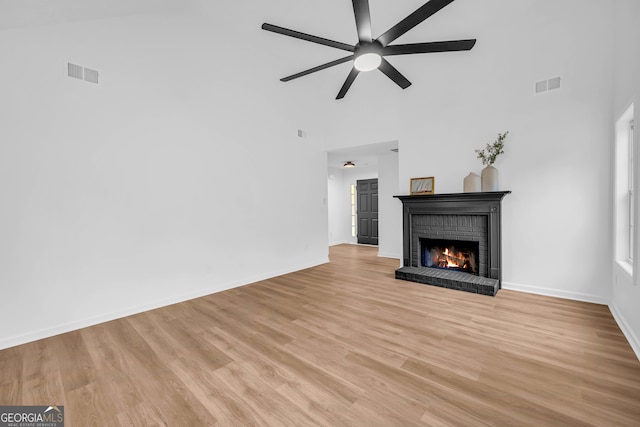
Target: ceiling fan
{"x": 368, "y": 54}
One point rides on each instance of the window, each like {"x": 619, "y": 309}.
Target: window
{"x": 624, "y": 191}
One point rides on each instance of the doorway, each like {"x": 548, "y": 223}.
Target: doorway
{"x": 367, "y": 213}
{"x": 373, "y": 161}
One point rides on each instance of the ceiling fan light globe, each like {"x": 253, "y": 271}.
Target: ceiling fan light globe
{"x": 367, "y": 62}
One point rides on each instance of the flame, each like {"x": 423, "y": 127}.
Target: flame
{"x": 452, "y": 257}
{"x": 449, "y": 263}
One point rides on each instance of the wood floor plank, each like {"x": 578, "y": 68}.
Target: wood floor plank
{"x": 42, "y": 373}
{"x": 341, "y": 344}
{"x": 227, "y": 404}
{"x": 11, "y": 376}
{"x": 112, "y": 369}
{"x": 76, "y": 366}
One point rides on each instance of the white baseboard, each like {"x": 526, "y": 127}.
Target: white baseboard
{"x": 152, "y": 305}
{"x": 389, "y": 255}
{"x": 577, "y": 296}
{"x": 634, "y": 342}
{"x": 339, "y": 242}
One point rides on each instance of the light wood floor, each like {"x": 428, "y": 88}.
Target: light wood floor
{"x": 339, "y": 344}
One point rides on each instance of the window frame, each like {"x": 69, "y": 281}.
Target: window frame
{"x": 624, "y": 196}
{"x": 631, "y": 201}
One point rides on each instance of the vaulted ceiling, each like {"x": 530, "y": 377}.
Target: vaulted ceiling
{"x": 24, "y": 13}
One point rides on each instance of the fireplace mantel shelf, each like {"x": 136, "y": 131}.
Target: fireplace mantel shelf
{"x": 492, "y": 195}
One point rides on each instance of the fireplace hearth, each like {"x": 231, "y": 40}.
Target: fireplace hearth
{"x": 453, "y": 241}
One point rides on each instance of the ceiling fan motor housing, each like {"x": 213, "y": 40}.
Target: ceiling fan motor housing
{"x": 364, "y": 48}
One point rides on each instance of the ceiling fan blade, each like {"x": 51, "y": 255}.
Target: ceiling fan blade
{"x": 394, "y": 74}
{"x": 363, "y": 20}
{"x": 422, "y": 13}
{"x": 448, "y": 46}
{"x": 347, "y": 83}
{"x": 307, "y": 37}
{"x": 318, "y": 68}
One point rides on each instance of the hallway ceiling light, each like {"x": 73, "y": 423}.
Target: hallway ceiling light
{"x": 349, "y": 165}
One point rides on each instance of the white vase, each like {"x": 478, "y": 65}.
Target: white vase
{"x": 472, "y": 183}
{"x": 489, "y": 179}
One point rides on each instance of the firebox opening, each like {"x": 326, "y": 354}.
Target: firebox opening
{"x": 457, "y": 255}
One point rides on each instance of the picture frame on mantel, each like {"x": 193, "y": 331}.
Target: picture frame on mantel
{"x": 422, "y": 186}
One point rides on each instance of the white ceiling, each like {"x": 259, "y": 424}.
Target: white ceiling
{"x": 331, "y": 19}
{"x": 27, "y": 13}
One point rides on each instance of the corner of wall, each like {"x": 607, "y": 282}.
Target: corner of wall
{"x": 634, "y": 342}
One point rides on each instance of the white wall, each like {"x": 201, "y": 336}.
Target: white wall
{"x": 180, "y": 174}
{"x": 557, "y": 160}
{"x": 625, "y": 303}
{"x": 390, "y": 209}
{"x": 339, "y": 208}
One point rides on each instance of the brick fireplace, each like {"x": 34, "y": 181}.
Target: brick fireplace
{"x": 453, "y": 241}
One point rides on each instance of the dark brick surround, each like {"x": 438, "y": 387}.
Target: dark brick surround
{"x": 465, "y": 216}
{"x": 472, "y": 228}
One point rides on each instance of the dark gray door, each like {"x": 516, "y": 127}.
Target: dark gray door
{"x": 367, "y": 190}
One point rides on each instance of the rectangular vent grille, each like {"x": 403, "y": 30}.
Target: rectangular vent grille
{"x": 75, "y": 71}
{"x": 82, "y": 73}
{"x": 554, "y": 83}
{"x": 547, "y": 85}
{"x": 541, "y": 86}
{"x": 90, "y": 75}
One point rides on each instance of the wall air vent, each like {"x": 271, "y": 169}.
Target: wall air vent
{"x": 541, "y": 86}
{"x": 75, "y": 71}
{"x": 547, "y": 85}
{"x": 90, "y": 75}
{"x": 554, "y": 83}
{"x": 82, "y": 73}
